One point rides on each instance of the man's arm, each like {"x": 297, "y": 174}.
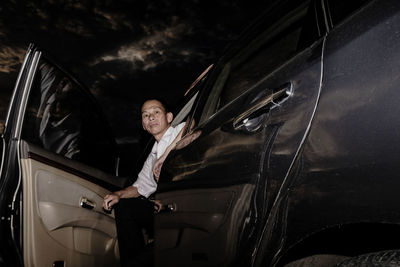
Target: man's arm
{"x": 113, "y": 198}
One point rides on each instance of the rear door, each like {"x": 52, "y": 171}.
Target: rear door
{"x": 220, "y": 185}
{"x": 58, "y": 163}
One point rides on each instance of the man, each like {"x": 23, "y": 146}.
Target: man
{"x": 133, "y": 210}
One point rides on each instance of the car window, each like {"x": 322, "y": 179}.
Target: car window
{"x": 184, "y": 112}
{"x": 63, "y": 118}
{"x": 281, "y": 39}
{"x": 340, "y": 10}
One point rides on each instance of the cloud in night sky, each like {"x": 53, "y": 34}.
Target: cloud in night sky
{"x": 10, "y": 58}
{"x": 153, "y": 49}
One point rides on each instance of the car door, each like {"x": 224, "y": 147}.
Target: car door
{"x": 58, "y": 163}
{"x": 219, "y": 187}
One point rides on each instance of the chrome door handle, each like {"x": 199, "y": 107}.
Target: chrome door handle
{"x": 170, "y": 207}
{"x": 277, "y": 97}
{"x": 84, "y": 202}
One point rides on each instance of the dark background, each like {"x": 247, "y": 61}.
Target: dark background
{"x": 123, "y": 51}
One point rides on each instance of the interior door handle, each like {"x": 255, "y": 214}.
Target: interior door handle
{"x": 84, "y": 202}
{"x": 264, "y": 104}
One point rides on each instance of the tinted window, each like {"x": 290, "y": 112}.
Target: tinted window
{"x": 339, "y": 10}
{"x": 63, "y": 118}
{"x": 278, "y": 41}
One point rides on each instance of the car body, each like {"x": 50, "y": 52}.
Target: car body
{"x": 294, "y": 152}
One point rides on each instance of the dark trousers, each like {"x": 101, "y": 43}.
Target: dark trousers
{"x": 131, "y": 216}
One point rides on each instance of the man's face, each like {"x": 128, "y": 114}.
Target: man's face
{"x": 155, "y": 119}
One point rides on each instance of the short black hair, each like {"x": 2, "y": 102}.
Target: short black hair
{"x": 163, "y": 102}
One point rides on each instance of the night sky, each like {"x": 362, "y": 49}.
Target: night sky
{"x": 123, "y": 51}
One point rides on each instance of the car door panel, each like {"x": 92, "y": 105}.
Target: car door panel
{"x": 198, "y": 230}
{"x": 56, "y": 225}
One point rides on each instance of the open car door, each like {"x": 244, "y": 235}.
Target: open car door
{"x": 57, "y": 164}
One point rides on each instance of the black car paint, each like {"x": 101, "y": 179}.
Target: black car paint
{"x": 324, "y": 182}
{"x": 348, "y": 173}
{"x": 224, "y": 156}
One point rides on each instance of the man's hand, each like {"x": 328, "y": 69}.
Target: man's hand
{"x": 157, "y": 205}
{"x": 113, "y": 198}
{"x": 110, "y": 200}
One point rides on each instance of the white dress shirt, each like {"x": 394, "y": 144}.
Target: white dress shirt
{"x": 145, "y": 183}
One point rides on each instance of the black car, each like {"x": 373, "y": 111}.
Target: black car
{"x": 291, "y": 159}
{"x": 294, "y": 156}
